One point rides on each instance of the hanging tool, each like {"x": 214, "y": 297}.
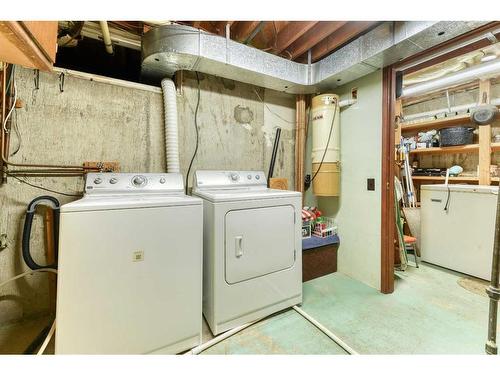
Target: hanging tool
{"x": 273, "y": 157}
{"x": 484, "y": 113}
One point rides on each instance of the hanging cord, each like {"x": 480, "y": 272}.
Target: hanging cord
{"x": 24, "y": 274}
{"x": 271, "y": 111}
{"x": 11, "y": 109}
{"x": 197, "y": 132}
{"x": 47, "y": 339}
{"x": 41, "y": 187}
{"x": 18, "y": 134}
{"x": 328, "y": 142}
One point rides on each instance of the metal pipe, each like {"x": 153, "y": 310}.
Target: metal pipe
{"x": 326, "y": 331}
{"x": 481, "y": 71}
{"x": 3, "y": 115}
{"x": 106, "y": 37}
{"x": 494, "y": 289}
{"x": 3, "y": 146}
{"x": 347, "y": 103}
{"x": 46, "y": 174}
{"x": 442, "y": 111}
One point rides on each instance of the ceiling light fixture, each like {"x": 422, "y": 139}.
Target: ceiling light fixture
{"x": 488, "y": 57}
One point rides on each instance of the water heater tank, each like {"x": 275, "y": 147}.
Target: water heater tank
{"x": 326, "y": 145}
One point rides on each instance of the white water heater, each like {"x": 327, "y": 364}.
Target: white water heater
{"x": 326, "y": 145}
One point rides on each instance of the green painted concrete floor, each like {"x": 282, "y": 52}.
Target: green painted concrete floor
{"x": 429, "y": 313}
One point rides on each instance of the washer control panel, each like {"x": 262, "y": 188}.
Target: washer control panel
{"x": 229, "y": 179}
{"x": 143, "y": 183}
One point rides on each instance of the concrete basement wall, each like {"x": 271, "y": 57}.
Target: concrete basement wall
{"x": 93, "y": 121}
{"x": 357, "y": 211}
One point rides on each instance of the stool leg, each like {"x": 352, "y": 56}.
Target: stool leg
{"x": 414, "y": 246}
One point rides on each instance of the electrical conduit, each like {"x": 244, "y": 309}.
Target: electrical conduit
{"x": 171, "y": 128}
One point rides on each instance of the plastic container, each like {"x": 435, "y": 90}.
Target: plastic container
{"x": 324, "y": 227}
{"x": 327, "y": 181}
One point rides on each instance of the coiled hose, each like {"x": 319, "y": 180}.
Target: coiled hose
{"x": 53, "y": 203}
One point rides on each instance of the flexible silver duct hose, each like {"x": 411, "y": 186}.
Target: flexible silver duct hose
{"x": 171, "y": 128}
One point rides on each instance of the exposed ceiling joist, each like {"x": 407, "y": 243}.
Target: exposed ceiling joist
{"x": 244, "y": 29}
{"x": 338, "y": 38}
{"x": 313, "y": 36}
{"x": 220, "y": 26}
{"x": 291, "y": 32}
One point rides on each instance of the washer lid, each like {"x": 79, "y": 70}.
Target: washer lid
{"x": 230, "y": 195}
{"x": 116, "y": 202}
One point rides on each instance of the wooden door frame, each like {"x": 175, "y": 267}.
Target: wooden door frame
{"x": 432, "y": 56}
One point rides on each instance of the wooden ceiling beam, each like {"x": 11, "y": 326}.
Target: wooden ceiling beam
{"x": 338, "y": 38}
{"x": 220, "y": 27}
{"x": 244, "y": 29}
{"x": 291, "y": 32}
{"x": 312, "y": 37}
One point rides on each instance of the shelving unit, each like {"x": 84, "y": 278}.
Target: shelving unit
{"x": 470, "y": 179}
{"x": 442, "y": 123}
{"x": 484, "y": 148}
{"x": 453, "y": 149}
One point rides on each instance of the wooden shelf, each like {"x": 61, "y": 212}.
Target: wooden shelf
{"x": 453, "y": 149}
{"x": 446, "y": 122}
{"x": 451, "y": 178}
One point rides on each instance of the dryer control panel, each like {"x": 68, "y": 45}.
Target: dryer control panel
{"x": 143, "y": 183}
{"x": 228, "y": 179}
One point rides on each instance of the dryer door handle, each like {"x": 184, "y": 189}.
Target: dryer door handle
{"x": 238, "y": 246}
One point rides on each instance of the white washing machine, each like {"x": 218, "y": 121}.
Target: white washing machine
{"x": 130, "y": 267}
{"x": 252, "y": 265}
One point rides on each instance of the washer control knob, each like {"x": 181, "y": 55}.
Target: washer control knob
{"x": 249, "y": 176}
{"x": 113, "y": 181}
{"x": 162, "y": 180}
{"x": 234, "y": 176}
{"x": 257, "y": 177}
{"x": 98, "y": 180}
{"x": 139, "y": 181}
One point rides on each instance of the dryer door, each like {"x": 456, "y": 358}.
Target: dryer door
{"x": 259, "y": 241}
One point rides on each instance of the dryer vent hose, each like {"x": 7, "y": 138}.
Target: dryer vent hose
{"x": 53, "y": 203}
{"x": 171, "y": 128}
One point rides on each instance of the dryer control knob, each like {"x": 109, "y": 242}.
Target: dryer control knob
{"x": 162, "y": 180}
{"x": 98, "y": 180}
{"x": 113, "y": 181}
{"x": 138, "y": 181}
{"x": 235, "y": 176}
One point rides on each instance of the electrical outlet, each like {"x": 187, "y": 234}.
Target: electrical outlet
{"x": 370, "y": 184}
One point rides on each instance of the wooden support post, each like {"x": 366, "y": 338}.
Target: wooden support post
{"x": 484, "y": 137}
{"x": 300, "y": 139}
{"x": 50, "y": 255}
{"x": 398, "y": 111}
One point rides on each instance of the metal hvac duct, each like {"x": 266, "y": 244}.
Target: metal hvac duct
{"x": 167, "y": 49}
{"x": 481, "y": 71}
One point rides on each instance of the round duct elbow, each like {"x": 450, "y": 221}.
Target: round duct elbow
{"x": 171, "y": 127}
